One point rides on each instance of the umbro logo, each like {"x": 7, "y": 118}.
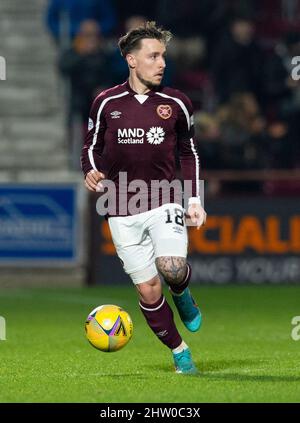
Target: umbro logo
{"x": 115, "y": 114}
{"x": 162, "y": 333}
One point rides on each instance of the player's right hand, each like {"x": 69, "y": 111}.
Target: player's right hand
{"x": 93, "y": 180}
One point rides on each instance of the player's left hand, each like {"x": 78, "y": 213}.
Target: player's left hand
{"x": 197, "y": 215}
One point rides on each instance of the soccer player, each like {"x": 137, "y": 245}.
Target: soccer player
{"x": 136, "y": 128}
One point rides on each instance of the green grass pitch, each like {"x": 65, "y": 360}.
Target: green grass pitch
{"x": 244, "y": 349}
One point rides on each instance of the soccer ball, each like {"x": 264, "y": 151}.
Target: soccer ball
{"x": 108, "y": 328}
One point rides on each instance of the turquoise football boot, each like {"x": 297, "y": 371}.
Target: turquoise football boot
{"x": 188, "y": 310}
{"x": 184, "y": 364}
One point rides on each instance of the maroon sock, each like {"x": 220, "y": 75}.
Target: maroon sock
{"x": 159, "y": 317}
{"x": 180, "y": 287}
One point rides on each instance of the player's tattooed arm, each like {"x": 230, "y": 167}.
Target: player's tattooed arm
{"x": 173, "y": 269}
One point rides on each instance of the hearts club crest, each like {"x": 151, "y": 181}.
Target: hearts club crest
{"x": 164, "y": 111}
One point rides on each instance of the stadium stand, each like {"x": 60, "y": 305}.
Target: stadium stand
{"x": 31, "y": 109}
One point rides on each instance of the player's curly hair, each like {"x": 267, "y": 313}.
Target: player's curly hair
{"x": 131, "y": 41}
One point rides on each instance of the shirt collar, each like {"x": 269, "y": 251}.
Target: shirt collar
{"x": 149, "y": 93}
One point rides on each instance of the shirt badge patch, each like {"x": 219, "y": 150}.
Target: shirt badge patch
{"x": 90, "y": 124}
{"x": 164, "y": 111}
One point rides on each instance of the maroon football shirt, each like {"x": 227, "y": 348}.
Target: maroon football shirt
{"x": 139, "y": 135}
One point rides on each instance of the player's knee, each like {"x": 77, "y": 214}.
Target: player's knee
{"x": 173, "y": 269}
{"x": 150, "y": 291}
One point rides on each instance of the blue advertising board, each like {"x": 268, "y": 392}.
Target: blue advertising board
{"x": 39, "y": 224}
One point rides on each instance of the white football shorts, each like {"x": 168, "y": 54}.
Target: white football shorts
{"x": 139, "y": 239}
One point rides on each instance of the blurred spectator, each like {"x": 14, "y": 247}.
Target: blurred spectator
{"x": 279, "y": 146}
{"x": 233, "y": 137}
{"x": 282, "y": 95}
{"x": 208, "y": 137}
{"x": 188, "y": 56}
{"x": 64, "y": 17}
{"x": 242, "y": 127}
{"x": 280, "y": 89}
{"x": 237, "y": 61}
{"x": 86, "y": 64}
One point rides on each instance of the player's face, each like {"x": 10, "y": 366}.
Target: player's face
{"x": 150, "y": 62}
